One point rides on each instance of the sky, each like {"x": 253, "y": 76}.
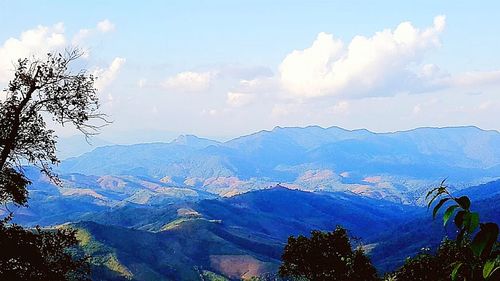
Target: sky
{"x": 221, "y": 69}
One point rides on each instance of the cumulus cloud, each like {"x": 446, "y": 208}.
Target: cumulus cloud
{"x": 232, "y": 71}
{"x": 41, "y": 40}
{"x": 341, "y": 107}
{"x": 37, "y": 41}
{"x": 189, "y": 81}
{"x": 105, "y": 26}
{"x": 236, "y": 99}
{"x": 106, "y": 75}
{"x": 470, "y": 79}
{"x": 80, "y": 36}
{"x": 259, "y": 85}
{"x": 367, "y": 66}
{"x": 286, "y": 110}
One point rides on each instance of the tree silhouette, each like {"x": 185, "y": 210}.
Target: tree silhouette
{"x": 40, "y": 89}
{"x": 40, "y": 255}
{"x": 473, "y": 255}
{"x": 325, "y": 256}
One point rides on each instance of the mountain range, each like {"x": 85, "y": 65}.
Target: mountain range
{"x": 394, "y": 166}
{"x": 244, "y": 235}
{"x": 199, "y": 209}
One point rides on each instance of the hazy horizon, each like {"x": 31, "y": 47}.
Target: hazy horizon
{"x": 166, "y": 136}
{"x": 225, "y": 69}
{"x": 249, "y": 140}
{"x": 76, "y": 145}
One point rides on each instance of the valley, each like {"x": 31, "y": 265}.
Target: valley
{"x": 196, "y": 208}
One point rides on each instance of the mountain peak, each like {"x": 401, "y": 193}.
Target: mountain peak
{"x": 184, "y": 139}
{"x": 193, "y": 141}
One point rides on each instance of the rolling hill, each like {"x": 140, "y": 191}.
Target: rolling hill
{"x": 396, "y": 166}
{"x": 198, "y": 209}
{"x": 235, "y": 237}
{"x": 243, "y": 236}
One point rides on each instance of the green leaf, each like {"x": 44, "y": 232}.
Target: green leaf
{"x": 455, "y": 270}
{"x": 464, "y": 202}
{"x": 488, "y": 268}
{"x": 436, "y": 209}
{"x": 430, "y": 192}
{"x": 432, "y": 200}
{"x": 473, "y": 222}
{"x": 485, "y": 239}
{"x": 442, "y": 182}
{"x": 466, "y": 223}
{"x": 448, "y": 213}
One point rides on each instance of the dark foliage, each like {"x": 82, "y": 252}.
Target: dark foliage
{"x": 439, "y": 266}
{"x": 474, "y": 255}
{"x": 44, "y": 88}
{"x": 480, "y": 239}
{"x": 40, "y": 255}
{"x": 325, "y": 256}
{"x": 13, "y": 186}
{"x": 40, "y": 89}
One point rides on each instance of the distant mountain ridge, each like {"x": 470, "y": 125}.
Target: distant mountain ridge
{"x": 195, "y": 208}
{"x": 389, "y": 165}
{"x": 194, "y": 141}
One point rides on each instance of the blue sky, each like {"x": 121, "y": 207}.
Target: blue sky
{"x": 226, "y": 68}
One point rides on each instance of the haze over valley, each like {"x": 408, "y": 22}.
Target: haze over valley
{"x": 242, "y": 198}
{"x": 249, "y": 140}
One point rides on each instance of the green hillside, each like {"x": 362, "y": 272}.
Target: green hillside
{"x": 193, "y": 247}
{"x": 236, "y": 237}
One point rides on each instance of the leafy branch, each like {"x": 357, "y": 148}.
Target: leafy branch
{"x": 467, "y": 222}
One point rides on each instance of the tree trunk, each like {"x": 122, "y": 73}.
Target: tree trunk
{"x": 9, "y": 144}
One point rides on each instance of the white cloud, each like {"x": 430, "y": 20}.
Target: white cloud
{"x": 235, "y": 71}
{"x": 375, "y": 66}
{"x": 427, "y": 105}
{"x": 41, "y": 40}
{"x": 485, "y": 105}
{"x": 105, "y": 26}
{"x": 417, "y": 109}
{"x": 285, "y": 110}
{"x": 84, "y": 33}
{"x": 107, "y": 75}
{"x": 238, "y": 99}
{"x": 251, "y": 84}
{"x": 80, "y": 36}
{"x": 210, "y": 112}
{"x": 37, "y": 41}
{"x": 259, "y": 85}
{"x": 341, "y": 107}
{"x": 189, "y": 81}
{"x": 141, "y": 83}
{"x": 471, "y": 79}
